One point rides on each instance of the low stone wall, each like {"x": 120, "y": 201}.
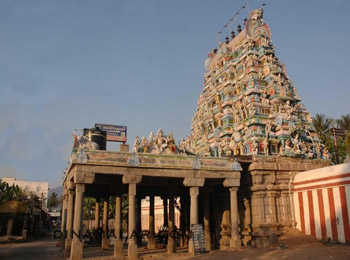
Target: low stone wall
{"x": 271, "y": 194}
{"x": 322, "y": 202}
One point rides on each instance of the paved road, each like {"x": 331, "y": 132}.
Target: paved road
{"x": 42, "y": 249}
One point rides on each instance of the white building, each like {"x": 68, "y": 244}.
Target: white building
{"x": 38, "y": 188}
{"x": 158, "y": 214}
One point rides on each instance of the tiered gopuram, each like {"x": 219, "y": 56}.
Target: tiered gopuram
{"x": 249, "y": 105}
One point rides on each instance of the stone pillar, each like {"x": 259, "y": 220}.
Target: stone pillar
{"x": 77, "y": 242}
{"x": 132, "y": 248}
{"x": 292, "y": 210}
{"x": 194, "y": 184}
{"x": 9, "y": 226}
{"x": 97, "y": 214}
{"x": 105, "y": 240}
{"x": 171, "y": 241}
{"x": 232, "y": 184}
{"x": 25, "y": 227}
{"x": 258, "y": 206}
{"x": 247, "y": 213}
{"x": 183, "y": 220}
{"x": 64, "y": 218}
{"x": 132, "y": 180}
{"x": 225, "y": 225}
{"x": 260, "y": 218}
{"x": 70, "y": 210}
{"x": 271, "y": 207}
{"x": 138, "y": 220}
{"x": 118, "y": 242}
{"x": 165, "y": 211}
{"x": 235, "y": 242}
{"x": 207, "y": 233}
{"x": 247, "y": 222}
{"x": 194, "y": 192}
{"x": 151, "y": 239}
{"x": 284, "y": 207}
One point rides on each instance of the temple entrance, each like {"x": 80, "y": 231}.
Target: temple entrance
{"x": 196, "y": 189}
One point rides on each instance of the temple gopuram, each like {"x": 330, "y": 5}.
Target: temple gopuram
{"x": 249, "y": 105}
{"x": 231, "y": 178}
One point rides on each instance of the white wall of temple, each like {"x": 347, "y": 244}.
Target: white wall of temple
{"x": 158, "y": 214}
{"x": 322, "y": 202}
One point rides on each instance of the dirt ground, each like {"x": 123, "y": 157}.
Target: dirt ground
{"x": 40, "y": 249}
{"x": 293, "y": 246}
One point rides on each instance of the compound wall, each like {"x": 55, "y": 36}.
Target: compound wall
{"x": 322, "y": 202}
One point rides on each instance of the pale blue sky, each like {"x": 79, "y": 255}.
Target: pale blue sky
{"x": 71, "y": 64}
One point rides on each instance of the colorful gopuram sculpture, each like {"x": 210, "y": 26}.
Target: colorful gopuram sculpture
{"x": 158, "y": 144}
{"x": 249, "y": 105}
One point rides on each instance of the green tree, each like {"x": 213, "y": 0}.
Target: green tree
{"x": 322, "y": 124}
{"x": 8, "y": 192}
{"x": 344, "y": 124}
{"x": 89, "y": 208}
{"x": 53, "y": 201}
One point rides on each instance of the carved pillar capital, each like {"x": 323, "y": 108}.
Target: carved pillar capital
{"x": 194, "y": 182}
{"x": 132, "y": 178}
{"x": 231, "y": 182}
{"x": 233, "y": 189}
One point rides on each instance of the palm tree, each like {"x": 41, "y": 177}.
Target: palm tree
{"x": 53, "y": 201}
{"x": 8, "y": 192}
{"x": 322, "y": 124}
{"x": 344, "y": 124}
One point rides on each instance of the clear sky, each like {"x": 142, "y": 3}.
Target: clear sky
{"x": 71, "y": 64}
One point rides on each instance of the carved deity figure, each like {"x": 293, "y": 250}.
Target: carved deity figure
{"x": 265, "y": 101}
{"x": 241, "y": 148}
{"x": 268, "y": 127}
{"x": 266, "y": 146}
{"x": 160, "y": 143}
{"x": 171, "y": 143}
{"x": 318, "y": 150}
{"x": 144, "y": 144}
{"x": 182, "y": 146}
{"x": 309, "y": 153}
{"x": 225, "y": 148}
{"x": 220, "y": 151}
{"x": 75, "y": 142}
{"x": 281, "y": 151}
{"x": 326, "y": 154}
{"x": 288, "y": 147}
{"x": 255, "y": 147}
{"x": 234, "y": 147}
{"x": 136, "y": 145}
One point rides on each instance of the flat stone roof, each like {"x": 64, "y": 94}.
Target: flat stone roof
{"x": 144, "y": 164}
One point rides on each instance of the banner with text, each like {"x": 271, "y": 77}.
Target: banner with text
{"x": 115, "y": 133}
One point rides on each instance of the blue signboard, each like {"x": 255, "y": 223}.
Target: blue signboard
{"x": 115, "y": 133}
